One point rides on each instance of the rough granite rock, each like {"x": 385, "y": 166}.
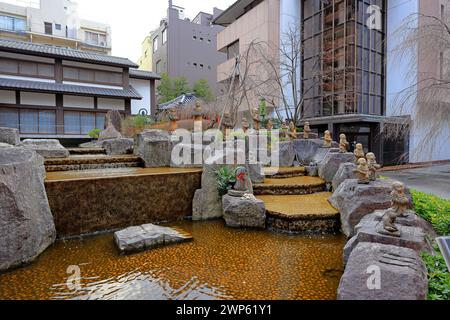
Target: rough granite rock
{"x": 330, "y": 165}
{"x": 192, "y": 159}
{"x": 412, "y": 237}
{"x": 109, "y": 133}
{"x": 244, "y": 213}
{"x": 286, "y": 154}
{"x": 403, "y": 275}
{"x": 256, "y": 172}
{"x": 26, "y": 222}
{"x": 9, "y": 136}
{"x": 149, "y": 236}
{"x": 354, "y": 201}
{"x": 154, "y": 147}
{"x": 5, "y": 145}
{"x": 47, "y": 148}
{"x": 345, "y": 172}
{"x": 311, "y": 151}
{"x": 207, "y": 202}
{"x": 114, "y": 118}
{"x": 117, "y": 147}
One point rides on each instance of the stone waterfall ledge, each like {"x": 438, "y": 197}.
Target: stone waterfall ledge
{"x": 384, "y": 272}
{"x": 146, "y": 237}
{"x": 26, "y": 222}
{"x": 47, "y": 148}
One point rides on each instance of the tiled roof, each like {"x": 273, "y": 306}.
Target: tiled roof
{"x": 178, "y": 102}
{"x": 141, "y": 74}
{"x": 64, "y": 53}
{"x": 51, "y": 87}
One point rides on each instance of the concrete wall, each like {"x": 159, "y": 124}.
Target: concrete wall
{"x": 143, "y": 87}
{"x": 402, "y": 74}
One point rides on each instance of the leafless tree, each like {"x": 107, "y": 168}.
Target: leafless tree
{"x": 424, "y": 43}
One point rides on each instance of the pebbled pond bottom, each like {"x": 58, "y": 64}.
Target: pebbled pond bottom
{"x": 220, "y": 263}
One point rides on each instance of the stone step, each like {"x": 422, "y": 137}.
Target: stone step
{"x": 290, "y": 186}
{"x": 92, "y": 162}
{"x": 86, "y": 151}
{"x": 299, "y": 214}
{"x": 285, "y": 172}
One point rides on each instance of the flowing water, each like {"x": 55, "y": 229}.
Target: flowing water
{"x": 220, "y": 263}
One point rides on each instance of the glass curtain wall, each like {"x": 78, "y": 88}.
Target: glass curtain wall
{"x": 343, "y": 58}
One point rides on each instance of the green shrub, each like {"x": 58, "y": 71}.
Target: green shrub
{"x": 433, "y": 209}
{"x": 438, "y": 276}
{"x": 226, "y": 179}
{"x": 140, "y": 121}
{"x": 94, "y": 133}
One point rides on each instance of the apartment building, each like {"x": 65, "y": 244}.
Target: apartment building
{"x": 53, "y": 22}
{"x": 186, "y": 48}
{"x": 145, "y": 62}
{"x": 348, "y": 78}
{"x": 52, "y": 92}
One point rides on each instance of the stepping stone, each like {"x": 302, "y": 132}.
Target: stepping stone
{"x": 149, "y": 236}
{"x": 301, "y": 214}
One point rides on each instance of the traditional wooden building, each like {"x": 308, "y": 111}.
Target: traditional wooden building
{"x": 54, "y": 92}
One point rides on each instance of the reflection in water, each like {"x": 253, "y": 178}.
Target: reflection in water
{"x": 220, "y": 263}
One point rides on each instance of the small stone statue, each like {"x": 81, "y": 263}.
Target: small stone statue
{"x": 363, "y": 172}
{"x": 400, "y": 203}
{"x": 373, "y": 166}
{"x": 245, "y": 125}
{"x": 284, "y": 130}
{"x": 269, "y": 125}
{"x": 306, "y": 131}
{"x": 292, "y": 133}
{"x": 343, "y": 144}
{"x": 328, "y": 140}
{"x": 359, "y": 152}
{"x": 227, "y": 124}
{"x": 256, "y": 119}
{"x": 243, "y": 183}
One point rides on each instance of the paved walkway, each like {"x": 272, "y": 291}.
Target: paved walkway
{"x": 434, "y": 180}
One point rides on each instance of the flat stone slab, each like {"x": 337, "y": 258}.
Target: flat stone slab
{"x": 383, "y": 272}
{"x": 148, "y": 236}
{"x": 411, "y": 238}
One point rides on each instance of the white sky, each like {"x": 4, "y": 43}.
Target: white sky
{"x": 132, "y": 20}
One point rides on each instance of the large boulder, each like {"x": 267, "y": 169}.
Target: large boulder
{"x": 114, "y": 118}
{"x": 149, "y": 236}
{"x": 384, "y": 272}
{"x": 47, "y": 148}
{"x": 207, "y": 202}
{"x": 330, "y": 165}
{"x": 286, "y": 154}
{"x": 311, "y": 151}
{"x": 346, "y": 171}
{"x": 354, "y": 201}
{"x": 109, "y": 133}
{"x": 244, "y": 213}
{"x": 411, "y": 237}
{"x": 256, "y": 172}
{"x": 154, "y": 147}
{"x": 117, "y": 147}
{"x": 9, "y": 136}
{"x": 26, "y": 222}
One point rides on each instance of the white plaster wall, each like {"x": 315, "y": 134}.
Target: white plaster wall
{"x": 7, "y": 96}
{"x": 38, "y": 99}
{"x": 111, "y": 104}
{"x": 143, "y": 88}
{"x": 78, "y": 102}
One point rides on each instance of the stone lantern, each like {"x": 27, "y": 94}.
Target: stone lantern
{"x": 173, "y": 118}
{"x": 197, "y": 114}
